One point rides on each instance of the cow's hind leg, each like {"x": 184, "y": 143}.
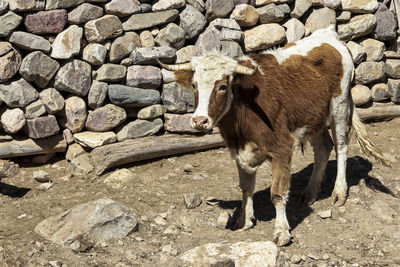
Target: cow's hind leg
{"x": 339, "y": 125}
{"x": 322, "y": 146}
{"x": 279, "y": 196}
{"x": 247, "y": 183}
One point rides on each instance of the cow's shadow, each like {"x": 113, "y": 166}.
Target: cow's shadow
{"x": 13, "y": 191}
{"x": 357, "y": 170}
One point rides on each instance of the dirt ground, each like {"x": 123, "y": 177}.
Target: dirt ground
{"x": 366, "y": 232}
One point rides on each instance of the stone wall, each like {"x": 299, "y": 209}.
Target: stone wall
{"x": 88, "y": 68}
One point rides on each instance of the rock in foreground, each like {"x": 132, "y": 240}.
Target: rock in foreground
{"x": 85, "y": 225}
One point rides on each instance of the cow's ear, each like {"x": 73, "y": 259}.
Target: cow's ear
{"x": 184, "y": 78}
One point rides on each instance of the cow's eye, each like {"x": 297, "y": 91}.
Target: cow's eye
{"x": 222, "y": 89}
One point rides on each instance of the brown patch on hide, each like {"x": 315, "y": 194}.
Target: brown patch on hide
{"x": 267, "y": 109}
{"x": 218, "y": 99}
{"x": 289, "y": 45}
{"x": 184, "y": 78}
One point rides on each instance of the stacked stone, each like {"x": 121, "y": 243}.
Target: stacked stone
{"x": 89, "y": 67}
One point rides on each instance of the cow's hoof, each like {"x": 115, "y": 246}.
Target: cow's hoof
{"x": 282, "y": 239}
{"x": 338, "y": 199}
{"x": 307, "y": 198}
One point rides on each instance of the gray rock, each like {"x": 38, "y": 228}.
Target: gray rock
{"x": 357, "y": 27}
{"x": 147, "y": 39}
{"x": 219, "y": 24}
{"x": 177, "y": 99}
{"x": 42, "y": 127}
{"x": 231, "y": 35}
{"x": 140, "y": 128}
{"x": 394, "y": 90}
{"x": 209, "y": 41}
{"x": 93, "y": 139}
{"x": 385, "y": 29}
{"x": 231, "y": 49}
{"x": 110, "y": 73}
{"x": 172, "y": 35}
{"x": 146, "y": 77}
{"x": 300, "y": 7}
{"x": 355, "y": 6}
{"x": 270, "y": 13}
{"x": 97, "y": 94}
{"x": 52, "y": 100}
{"x": 67, "y": 134}
{"x": 197, "y": 4}
{"x": 148, "y": 20}
{"x": 319, "y": 19}
{"x": 101, "y": 29}
{"x": 380, "y": 92}
{"x": 145, "y": 8}
{"x": 35, "y": 109}
{"x": 218, "y": 8}
{"x": 256, "y": 39}
{"x": 294, "y": 30}
{"x": 122, "y": 8}
{"x": 67, "y": 43}
{"x": 325, "y": 214}
{"x": 368, "y": 72}
{"x": 74, "y": 77}
{"x": 245, "y": 15}
{"x": 26, "y": 5}
{"x": 393, "y": 68}
{"x": 177, "y": 123}
{"x": 151, "y": 112}
{"x": 374, "y": 49}
{"x": 105, "y": 118}
{"x": 75, "y": 114}
{"x": 94, "y": 54}
{"x": 88, "y": 224}
{"x": 262, "y": 253}
{"x": 361, "y": 95}
{"x": 343, "y": 16}
{"x": 334, "y": 4}
{"x": 83, "y": 13}
{"x": 74, "y": 150}
{"x": 9, "y": 22}
{"x": 357, "y": 52}
{"x": 80, "y": 166}
{"x": 12, "y": 120}
{"x": 186, "y": 53}
{"x": 41, "y": 176}
{"x": 127, "y": 96}
{"x": 38, "y": 68}
{"x": 56, "y": 4}
{"x": 148, "y": 55}
{"x": 10, "y": 61}
{"x": 192, "y": 200}
{"x": 30, "y": 42}
{"x": 3, "y": 6}
{"x": 192, "y": 21}
{"x": 123, "y": 46}
{"x": 168, "y": 4}
{"x": 18, "y": 94}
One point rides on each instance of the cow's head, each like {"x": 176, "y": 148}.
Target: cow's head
{"x": 211, "y": 77}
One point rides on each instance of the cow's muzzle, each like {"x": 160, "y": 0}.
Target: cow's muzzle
{"x": 201, "y": 123}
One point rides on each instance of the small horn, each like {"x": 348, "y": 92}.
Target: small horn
{"x": 240, "y": 69}
{"x": 185, "y": 66}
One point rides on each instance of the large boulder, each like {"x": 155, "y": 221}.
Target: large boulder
{"x": 67, "y": 43}
{"x": 45, "y": 22}
{"x": 357, "y": 27}
{"x": 84, "y": 13}
{"x": 74, "y": 77}
{"x": 30, "y": 42}
{"x": 86, "y": 225}
{"x": 101, "y": 29}
{"x": 105, "y": 118}
{"x": 320, "y": 19}
{"x": 127, "y": 96}
{"x": 10, "y": 61}
{"x": 263, "y": 36}
{"x": 172, "y": 35}
{"x": 192, "y": 21}
{"x": 18, "y": 94}
{"x": 9, "y": 22}
{"x": 123, "y": 46}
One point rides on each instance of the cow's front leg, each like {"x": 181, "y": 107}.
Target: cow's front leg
{"x": 279, "y": 196}
{"x": 247, "y": 179}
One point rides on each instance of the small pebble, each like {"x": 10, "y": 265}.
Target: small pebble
{"x": 223, "y": 218}
{"x": 120, "y": 242}
{"x": 139, "y": 239}
{"x": 30, "y": 253}
{"x": 45, "y": 186}
{"x": 144, "y": 218}
{"x": 325, "y": 257}
{"x": 22, "y": 216}
{"x": 342, "y": 209}
{"x": 172, "y": 230}
{"x": 199, "y": 176}
{"x": 41, "y": 176}
{"x": 188, "y": 168}
{"x": 295, "y": 259}
{"x": 324, "y": 214}
{"x": 160, "y": 221}
{"x": 39, "y": 245}
{"x": 192, "y": 200}
{"x": 163, "y": 215}
{"x": 313, "y": 257}
{"x": 55, "y": 263}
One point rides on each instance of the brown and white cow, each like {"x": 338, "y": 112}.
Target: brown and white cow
{"x": 267, "y": 103}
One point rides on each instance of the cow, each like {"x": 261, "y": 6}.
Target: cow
{"x": 265, "y": 104}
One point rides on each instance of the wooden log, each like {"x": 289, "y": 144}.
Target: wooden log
{"x": 24, "y": 147}
{"x": 8, "y": 168}
{"x": 379, "y": 112}
{"x": 135, "y": 150}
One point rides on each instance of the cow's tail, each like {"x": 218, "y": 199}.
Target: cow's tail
{"x": 367, "y": 146}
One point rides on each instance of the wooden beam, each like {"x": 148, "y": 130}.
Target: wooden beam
{"x": 27, "y": 146}
{"x": 135, "y": 150}
{"x": 379, "y": 112}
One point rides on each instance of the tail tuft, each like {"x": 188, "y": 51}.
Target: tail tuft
{"x": 367, "y": 146}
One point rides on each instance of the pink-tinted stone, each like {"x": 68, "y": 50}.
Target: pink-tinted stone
{"x": 42, "y": 127}
{"x": 46, "y": 21}
{"x": 178, "y": 123}
{"x": 147, "y": 77}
